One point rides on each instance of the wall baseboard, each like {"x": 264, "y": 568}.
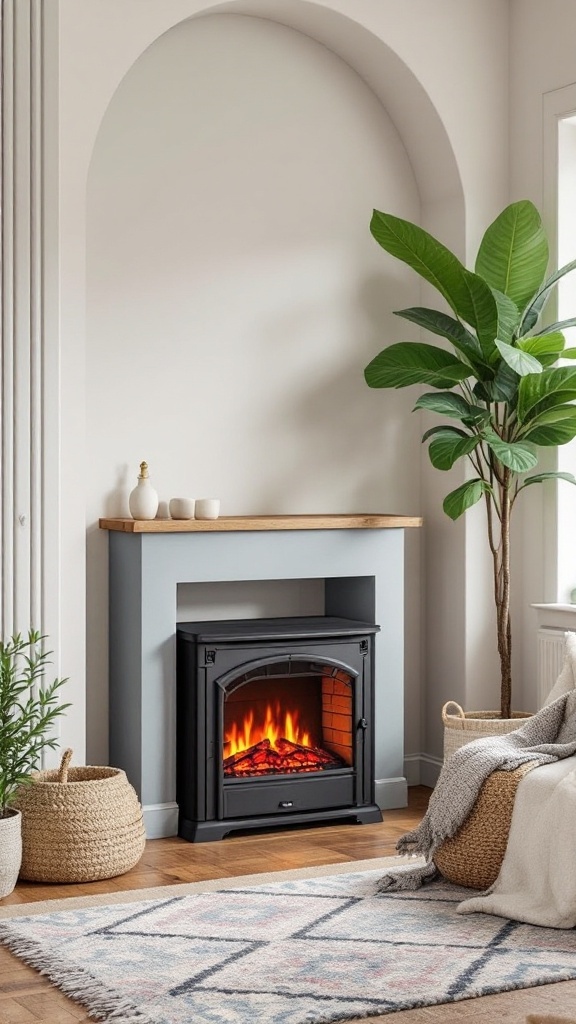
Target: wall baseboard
{"x": 391, "y": 793}
{"x": 422, "y": 769}
{"x": 160, "y": 820}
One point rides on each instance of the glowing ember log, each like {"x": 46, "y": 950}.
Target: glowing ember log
{"x": 288, "y": 748}
{"x": 253, "y": 754}
{"x": 284, "y": 759}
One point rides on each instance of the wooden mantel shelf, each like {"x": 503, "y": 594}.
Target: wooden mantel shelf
{"x": 360, "y": 521}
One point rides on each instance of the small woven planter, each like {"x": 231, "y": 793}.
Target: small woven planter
{"x": 462, "y": 727}
{"x": 474, "y": 855}
{"x": 79, "y": 824}
{"x": 10, "y": 851}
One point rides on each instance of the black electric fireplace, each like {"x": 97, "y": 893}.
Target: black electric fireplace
{"x": 275, "y": 723}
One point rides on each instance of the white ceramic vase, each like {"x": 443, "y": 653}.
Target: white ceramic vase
{"x": 143, "y": 500}
{"x": 10, "y": 851}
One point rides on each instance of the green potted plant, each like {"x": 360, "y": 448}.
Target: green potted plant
{"x": 27, "y": 713}
{"x": 497, "y": 384}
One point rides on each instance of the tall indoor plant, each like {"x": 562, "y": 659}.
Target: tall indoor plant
{"x": 28, "y": 710}
{"x": 498, "y": 378}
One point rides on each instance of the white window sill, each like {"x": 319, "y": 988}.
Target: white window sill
{"x": 556, "y": 616}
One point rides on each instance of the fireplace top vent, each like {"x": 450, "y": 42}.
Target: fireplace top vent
{"x": 303, "y": 627}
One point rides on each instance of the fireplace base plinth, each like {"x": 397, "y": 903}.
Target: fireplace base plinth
{"x": 212, "y": 831}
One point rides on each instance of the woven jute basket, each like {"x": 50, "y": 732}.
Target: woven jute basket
{"x": 79, "y": 824}
{"x": 474, "y": 855}
{"x": 462, "y": 727}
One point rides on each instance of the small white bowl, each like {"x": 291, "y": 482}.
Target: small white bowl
{"x": 182, "y": 508}
{"x": 207, "y": 508}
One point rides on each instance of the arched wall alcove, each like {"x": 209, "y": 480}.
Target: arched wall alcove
{"x": 243, "y": 373}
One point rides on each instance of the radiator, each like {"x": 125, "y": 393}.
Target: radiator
{"x": 550, "y": 660}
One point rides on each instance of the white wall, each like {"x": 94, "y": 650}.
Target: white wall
{"x": 542, "y": 60}
{"x": 234, "y": 292}
{"x": 440, "y": 72}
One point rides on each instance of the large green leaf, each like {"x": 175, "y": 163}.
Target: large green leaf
{"x": 438, "y": 430}
{"x": 538, "y": 302}
{"x": 540, "y": 391}
{"x": 456, "y": 503}
{"x": 553, "y": 427}
{"x": 521, "y": 362}
{"x": 410, "y": 362}
{"x": 513, "y": 253}
{"x": 441, "y": 268}
{"x": 482, "y": 311}
{"x": 545, "y": 347}
{"x": 508, "y": 315}
{"x": 425, "y": 254}
{"x": 446, "y": 327}
{"x": 539, "y": 478}
{"x": 449, "y": 445}
{"x": 560, "y": 325}
{"x": 504, "y": 387}
{"x": 519, "y": 456}
{"x": 449, "y": 403}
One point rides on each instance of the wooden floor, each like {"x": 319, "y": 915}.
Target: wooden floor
{"x": 26, "y": 997}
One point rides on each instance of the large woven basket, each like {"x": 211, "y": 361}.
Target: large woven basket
{"x": 474, "y": 855}
{"x": 79, "y": 824}
{"x": 462, "y": 727}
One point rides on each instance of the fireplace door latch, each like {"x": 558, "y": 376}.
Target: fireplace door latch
{"x": 363, "y": 723}
{"x": 285, "y": 805}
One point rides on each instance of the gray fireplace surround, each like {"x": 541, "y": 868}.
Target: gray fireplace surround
{"x": 359, "y": 558}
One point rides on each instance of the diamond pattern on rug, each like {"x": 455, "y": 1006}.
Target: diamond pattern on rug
{"x": 299, "y": 952}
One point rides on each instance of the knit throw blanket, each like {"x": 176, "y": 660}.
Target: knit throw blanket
{"x": 548, "y": 736}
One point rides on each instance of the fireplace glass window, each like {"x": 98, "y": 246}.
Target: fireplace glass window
{"x": 297, "y": 718}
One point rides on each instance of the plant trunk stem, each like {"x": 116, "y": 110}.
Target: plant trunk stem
{"x": 502, "y": 598}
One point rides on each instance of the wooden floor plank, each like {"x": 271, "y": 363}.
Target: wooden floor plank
{"x": 12, "y": 1012}
{"x": 26, "y": 997}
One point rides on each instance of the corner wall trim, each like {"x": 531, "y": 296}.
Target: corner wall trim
{"x": 422, "y": 769}
{"x": 429, "y": 770}
{"x": 391, "y": 793}
{"x": 160, "y": 820}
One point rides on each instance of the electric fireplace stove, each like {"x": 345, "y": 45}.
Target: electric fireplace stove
{"x": 274, "y": 724}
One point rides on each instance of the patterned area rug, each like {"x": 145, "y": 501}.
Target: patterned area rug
{"x": 302, "y": 951}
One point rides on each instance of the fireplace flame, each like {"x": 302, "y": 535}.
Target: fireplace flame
{"x": 277, "y": 746}
{"x": 273, "y": 729}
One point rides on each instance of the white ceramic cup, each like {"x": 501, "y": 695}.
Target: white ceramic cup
{"x": 181, "y": 508}
{"x": 207, "y": 508}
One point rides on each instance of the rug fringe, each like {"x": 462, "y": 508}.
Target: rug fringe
{"x": 75, "y": 982}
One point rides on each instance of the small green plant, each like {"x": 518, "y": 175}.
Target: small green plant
{"x": 27, "y": 711}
